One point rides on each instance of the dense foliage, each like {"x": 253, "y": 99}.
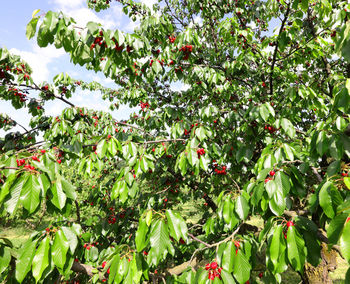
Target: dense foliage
{"x": 243, "y": 115}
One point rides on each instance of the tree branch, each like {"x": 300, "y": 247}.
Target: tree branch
{"x": 276, "y": 48}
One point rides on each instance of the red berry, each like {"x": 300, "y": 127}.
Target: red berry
{"x": 59, "y": 161}
{"x": 43, "y": 151}
{"x": 47, "y": 230}
{"x": 290, "y": 224}
{"x": 347, "y": 220}
{"x": 213, "y": 265}
{"x": 272, "y": 173}
{"x": 261, "y": 275}
{"x": 104, "y": 264}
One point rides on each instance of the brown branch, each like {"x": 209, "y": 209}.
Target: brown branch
{"x": 296, "y": 213}
{"x": 276, "y": 48}
{"x": 77, "y": 210}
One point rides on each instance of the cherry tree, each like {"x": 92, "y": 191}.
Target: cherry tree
{"x": 258, "y": 130}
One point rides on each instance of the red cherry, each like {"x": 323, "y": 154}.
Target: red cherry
{"x": 207, "y": 266}
{"x": 261, "y": 275}
{"x": 347, "y": 220}
{"x": 290, "y": 224}
{"x": 272, "y": 173}
{"x": 59, "y": 161}
{"x": 47, "y": 230}
{"x": 104, "y": 264}
{"x": 43, "y": 151}
{"x": 213, "y": 265}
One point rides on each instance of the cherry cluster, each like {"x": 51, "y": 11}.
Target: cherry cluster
{"x": 144, "y": 106}
{"x": 187, "y": 49}
{"x": 213, "y": 270}
{"x": 98, "y": 40}
{"x": 200, "y": 152}
{"x": 172, "y": 39}
{"x": 270, "y": 128}
{"x": 220, "y": 172}
{"x": 22, "y": 97}
{"x": 271, "y": 173}
{"x": 20, "y": 162}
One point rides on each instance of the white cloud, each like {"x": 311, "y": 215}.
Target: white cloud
{"x": 82, "y": 15}
{"x": 69, "y": 4}
{"x": 39, "y": 59}
{"x": 149, "y": 3}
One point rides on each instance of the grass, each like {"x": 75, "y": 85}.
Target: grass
{"x": 17, "y": 236}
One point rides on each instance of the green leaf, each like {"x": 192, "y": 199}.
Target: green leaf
{"x": 59, "y": 198}
{"x": 71, "y": 238}
{"x": 241, "y": 267}
{"x": 344, "y": 241}
{"x": 288, "y": 151}
{"x": 242, "y": 207}
{"x": 24, "y": 260}
{"x": 68, "y": 189}
{"x": 157, "y": 67}
{"x": 59, "y": 249}
{"x": 41, "y": 258}
{"x": 278, "y": 203}
{"x": 273, "y": 250}
{"x": 5, "y": 258}
{"x": 228, "y": 256}
{"x": 93, "y": 27}
{"x": 101, "y": 148}
{"x": 288, "y": 127}
{"x": 177, "y": 226}
{"x": 347, "y": 182}
{"x": 5, "y": 189}
{"x": 295, "y": 249}
{"x": 140, "y": 239}
{"x": 282, "y": 182}
{"x": 335, "y": 228}
{"x": 333, "y": 168}
{"x": 321, "y": 143}
{"x": 201, "y": 133}
{"x": 326, "y": 199}
{"x": 160, "y": 242}
{"x": 227, "y": 277}
{"x": 31, "y": 28}
{"x": 15, "y": 190}
{"x": 30, "y": 194}
{"x": 148, "y": 218}
{"x": 347, "y": 276}
{"x": 203, "y": 163}
{"x": 264, "y": 112}
{"x": 244, "y": 153}
{"x": 271, "y": 188}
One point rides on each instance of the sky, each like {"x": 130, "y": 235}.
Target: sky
{"x": 48, "y": 62}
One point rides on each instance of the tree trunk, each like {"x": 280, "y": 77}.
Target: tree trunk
{"x": 319, "y": 274}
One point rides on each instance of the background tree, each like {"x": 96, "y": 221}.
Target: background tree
{"x": 261, "y": 129}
